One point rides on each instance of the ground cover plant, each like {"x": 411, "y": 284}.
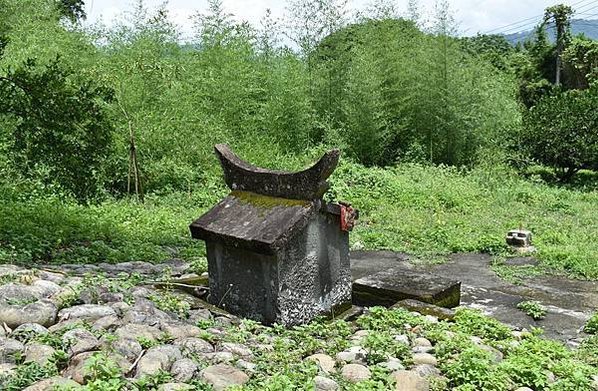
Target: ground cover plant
{"x": 433, "y": 167}
{"x": 473, "y": 352}
{"x": 423, "y": 210}
{"x": 533, "y": 308}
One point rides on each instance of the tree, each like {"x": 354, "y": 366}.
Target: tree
{"x": 561, "y": 131}
{"x": 401, "y": 94}
{"x": 61, "y": 127}
{"x": 561, "y": 15}
{"x": 581, "y": 60}
{"x": 494, "y": 48}
{"x": 72, "y": 9}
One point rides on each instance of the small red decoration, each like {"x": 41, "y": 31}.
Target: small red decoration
{"x": 347, "y": 217}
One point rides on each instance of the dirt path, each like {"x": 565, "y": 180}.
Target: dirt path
{"x": 569, "y": 302}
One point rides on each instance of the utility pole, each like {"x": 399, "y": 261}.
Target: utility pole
{"x": 561, "y": 15}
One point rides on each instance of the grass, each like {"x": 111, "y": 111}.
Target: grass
{"x": 426, "y": 211}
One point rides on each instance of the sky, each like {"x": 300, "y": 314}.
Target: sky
{"x": 472, "y": 16}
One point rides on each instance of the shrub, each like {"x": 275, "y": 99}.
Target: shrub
{"x": 591, "y": 326}
{"x": 561, "y": 131}
{"x": 532, "y": 308}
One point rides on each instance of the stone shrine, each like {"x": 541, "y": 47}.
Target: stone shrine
{"x": 277, "y": 252}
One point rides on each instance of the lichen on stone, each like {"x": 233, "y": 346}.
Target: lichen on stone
{"x": 267, "y": 202}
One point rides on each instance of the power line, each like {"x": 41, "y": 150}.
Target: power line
{"x": 586, "y": 11}
{"x": 582, "y": 9}
{"x": 523, "y": 23}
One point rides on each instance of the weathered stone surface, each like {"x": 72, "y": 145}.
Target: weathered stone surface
{"x": 42, "y": 312}
{"x": 9, "y": 350}
{"x": 30, "y": 329}
{"x": 420, "y": 341}
{"x": 120, "y": 307}
{"x": 39, "y": 289}
{"x": 389, "y": 286}
{"x": 7, "y": 369}
{"x": 496, "y": 354}
{"x": 173, "y": 353}
{"x": 519, "y": 238}
{"x": 237, "y": 349}
{"x": 134, "y": 331}
{"x": 277, "y": 253}
{"x": 53, "y": 383}
{"x": 393, "y": 364}
{"x": 177, "y": 331}
{"x": 425, "y": 308}
{"x": 88, "y": 312}
{"x": 355, "y": 372}
{"x": 126, "y": 347}
{"x": 409, "y": 381}
{"x": 151, "y": 363}
{"x": 246, "y": 366}
{"x": 220, "y": 357}
{"x": 325, "y": 384}
{"x": 108, "y": 323}
{"x": 222, "y": 376}
{"x": 56, "y": 278}
{"x": 424, "y": 358}
{"x": 145, "y": 312}
{"x": 194, "y": 346}
{"x": 325, "y": 362}
{"x": 79, "y": 341}
{"x": 183, "y": 370}
{"x": 266, "y": 226}
{"x": 426, "y": 370}
{"x": 38, "y": 353}
{"x": 199, "y": 314}
{"x": 308, "y": 184}
{"x": 355, "y": 354}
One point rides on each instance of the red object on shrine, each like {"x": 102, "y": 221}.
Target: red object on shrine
{"x": 347, "y": 217}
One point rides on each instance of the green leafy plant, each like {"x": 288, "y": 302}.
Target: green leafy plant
{"x": 533, "y": 308}
{"x": 591, "y": 326}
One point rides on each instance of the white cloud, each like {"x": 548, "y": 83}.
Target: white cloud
{"x": 472, "y": 15}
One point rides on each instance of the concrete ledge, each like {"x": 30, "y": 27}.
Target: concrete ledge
{"x": 387, "y": 287}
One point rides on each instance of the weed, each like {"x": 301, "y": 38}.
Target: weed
{"x": 533, "y": 308}
{"x": 591, "y": 326}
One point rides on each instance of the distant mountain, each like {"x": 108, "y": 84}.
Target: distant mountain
{"x": 578, "y": 26}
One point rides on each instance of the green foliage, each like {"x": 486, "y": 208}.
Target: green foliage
{"x": 474, "y": 323}
{"x": 581, "y": 57}
{"x": 151, "y": 382}
{"x": 473, "y": 367}
{"x": 72, "y": 9}
{"x": 591, "y": 326}
{"x": 588, "y": 351}
{"x": 533, "y": 308}
{"x": 561, "y": 131}
{"x": 103, "y": 374}
{"x": 381, "y": 345}
{"x": 27, "y": 374}
{"x": 167, "y": 300}
{"x": 493, "y": 48}
{"x": 400, "y": 94}
{"x": 62, "y": 133}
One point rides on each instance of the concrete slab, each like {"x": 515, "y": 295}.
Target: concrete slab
{"x": 569, "y": 302}
{"x": 391, "y": 285}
